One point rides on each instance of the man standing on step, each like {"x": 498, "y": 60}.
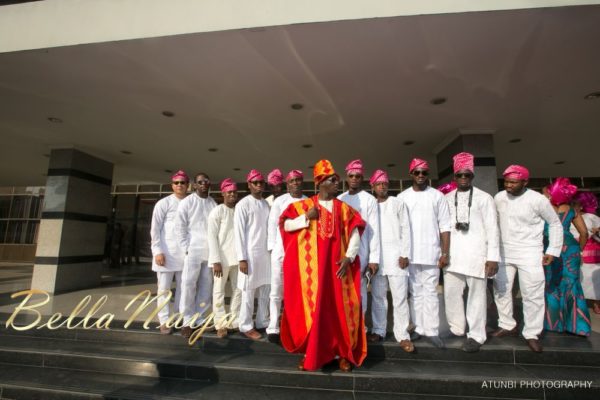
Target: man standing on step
{"x": 366, "y": 205}
{"x": 223, "y": 260}
{"x": 293, "y": 180}
{"x": 474, "y": 254}
{"x": 250, "y": 230}
{"x": 522, "y": 213}
{"x": 275, "y": 181}
{"x": 430, "y": 233}
{"x": 191, "y": 230}
{"x": 167, "y": 256}
{"x": 395, "y": 249}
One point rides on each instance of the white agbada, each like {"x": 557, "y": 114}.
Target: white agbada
{"x": 469, "y": 252}
{"x": 394, "y": 228}
{"x": 590, "y": 273}
{"x": 521, "y": 220}
{"x": 429, "y": 216}
{"x": 250, "y": 230}
{"x": 222, "y": 250}
{"x": 191, "y": 230}
{"x": 275, "y": 245}
{"x": 163, "y": 241}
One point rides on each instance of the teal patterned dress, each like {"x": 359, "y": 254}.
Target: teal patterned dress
{"x": 566, "y": 309}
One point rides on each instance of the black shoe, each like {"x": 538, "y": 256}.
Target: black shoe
{"x": 274, "y": 338}
{"x": 414, "y": 336}
{"x": 436, "y": 341}
{"x": 452, "y": 335}
{"x": 471, "y": 346}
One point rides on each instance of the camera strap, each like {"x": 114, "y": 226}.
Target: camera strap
{"x": 469, "y": 206}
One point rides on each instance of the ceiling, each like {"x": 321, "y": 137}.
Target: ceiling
{"x": 366, "y": 87}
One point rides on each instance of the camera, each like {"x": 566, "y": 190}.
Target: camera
{"x": 462, "y": 226}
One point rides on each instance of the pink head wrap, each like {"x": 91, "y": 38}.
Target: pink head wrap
{"x": 228, "y": 185}
{"x": 561, "y": 191}
{"x": 180, "y": 176}
{"x": 254, "y": 175}
{"x": 463, "y": 161}
{"x": 355, "y": 167}
{"x": 295, "y": 173}
{"x": 588, "y": 201}
{"x": 275, "y": 177}
{"x": 516, "y": 172}
{"x": 379, "y": 176}
{"x": 447, "y": 187}
{"x": 417, "y": 163}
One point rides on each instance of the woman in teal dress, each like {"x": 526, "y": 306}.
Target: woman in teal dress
{"x": 566, "y": 309}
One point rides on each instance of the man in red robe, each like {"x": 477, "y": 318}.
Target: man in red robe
{"x": 322, "y": 315}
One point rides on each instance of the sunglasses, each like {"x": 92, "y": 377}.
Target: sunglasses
{"x": 331, "y": 179}
{"x": 256, "y": 183}
{"x": 423, "y": 173}
{"x": 465, "y": 175}
{"x": 354, "y": 176}
{"x": 203, "y": 182}
{"x": 176, "y": 183}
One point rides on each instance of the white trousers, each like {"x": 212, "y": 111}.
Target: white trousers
{"x": 424, "y": 303}
{"x": 196, "y": 293}
{"x": 165, "y": 281}
{"x": 276, "y": 294}
{"x": 454, "y": 286}
{"x": 379, "y": 305}
{"x": 247, "y": 308}
{"x": 221, "y": 318}
{"x": 531, "y": 283}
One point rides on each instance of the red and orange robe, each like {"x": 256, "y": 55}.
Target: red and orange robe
{"x": 322, "y": 314}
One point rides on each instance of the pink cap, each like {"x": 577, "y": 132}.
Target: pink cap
{"x": 588, "y": 201}
{"x": 180, "y": 176}
{"x": 355, "y": 167}
{"x": 447, "y": 187}
{"x": 295, "y": 173}
{"x": 379, "y": 176}
{"x": 561, "y": 191}
{"x": 275, "y": 177}
{"x": 463, "y": 161}
{"x": 228, "y": 185}
{"x": 254, "y": 175}
{"x": 417, "y": 163}
{"x": 516, "y": 172}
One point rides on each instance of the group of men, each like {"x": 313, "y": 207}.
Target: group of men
{"x": 319, "y": 255}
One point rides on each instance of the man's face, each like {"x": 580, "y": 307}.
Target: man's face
{"x": 202, "y": 184}
{"x": 294, "y": 186}
{"x": 256, "y": 187}
{"x": 276, "y": 189}
{"x": 229, "y": 198}
{"x": 420, "y": 176}
{"x": 330, "y": 185}
{"x": 381, "y": 189}
{"x": 179, "y": 186}
{"x": 514, "y": 186}
{"x": 354, "y": 180}
{"x": 464, "y": 179}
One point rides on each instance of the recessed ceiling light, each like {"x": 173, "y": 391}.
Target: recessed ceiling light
{"x": 307, "y": 146}
{"x": 168, "y": 114}
{"x": 55, "y": 120}
{"x": 592, "y": 96}
{"x": 127, "y": 152}
{"x": 168, "y": 171}
{"x": 236, "y": 169}
{"x": 515, "y": 140}
{"x": 436, "y": 101}
{"x": 297, "y": 106}
{"x": 559, "y": 162}
{"x": 46, "y": 155}
{"x": 408, "y": 142}
{"x": 390, "y": 165}
{"x": 310, "y": 167}
{"x": 213, "y": 149}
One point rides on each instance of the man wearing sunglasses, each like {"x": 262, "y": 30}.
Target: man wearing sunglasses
{"x": 370, "y": 249}
{"x": 168, "y": 257}
{"x": 275, "y": 181}
{"x": 250, "y": 232}
{"x": 430, "y": 232}
{"x": 192, "y": 234}
{"x": 474, "y": 254}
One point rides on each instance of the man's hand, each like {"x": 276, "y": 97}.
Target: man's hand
{"x": 344, "y": 264}
{"x": 491, "y": 268}
{"x": 443, "y": 261}
{"x": 373, "y": 267}
{"x": 159, "y": 259}
{"x": 244, "y": 267}
{"x": 217, "y": 270}
{"x": 547, "y": 259}
{"x": 313, "y": 213}
{"x": 403, "y": 262}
